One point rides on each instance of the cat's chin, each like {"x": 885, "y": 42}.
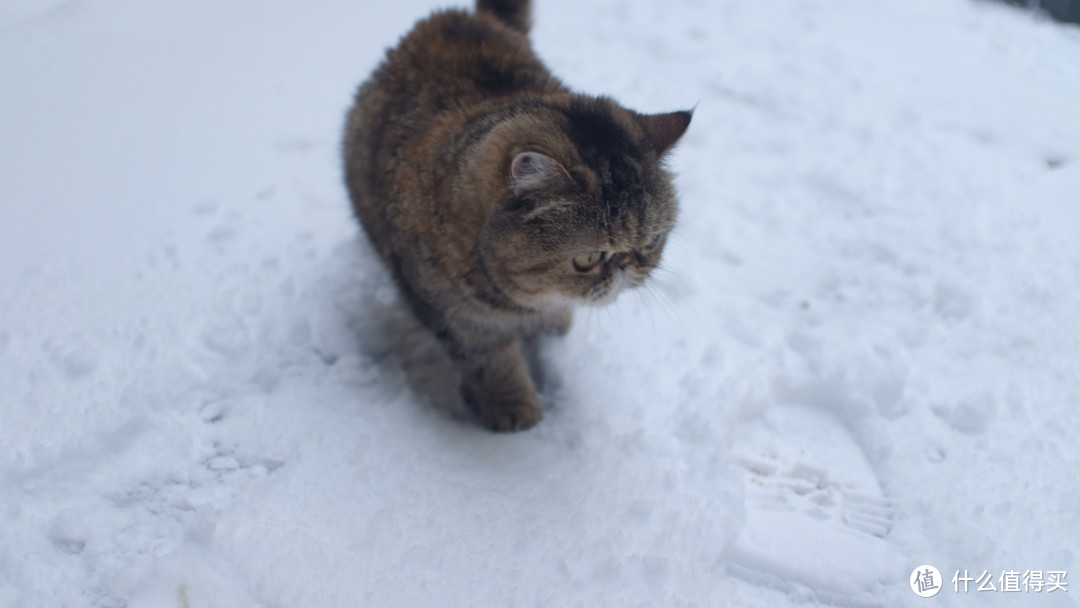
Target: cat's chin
{"x": 558, "y": 302}
{"x": 550, "y": 302}
{"x": 621, "y": 284}
{"x": 604, "y": 300}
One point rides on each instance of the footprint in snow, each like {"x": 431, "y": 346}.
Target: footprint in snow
{"x": 817, "y": 520}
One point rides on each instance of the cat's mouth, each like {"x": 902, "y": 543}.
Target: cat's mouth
{"x": 620, "y": 283}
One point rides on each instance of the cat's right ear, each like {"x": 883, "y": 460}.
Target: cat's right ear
{"x": 664, "y": 130}
{"x": 533, "y": 171}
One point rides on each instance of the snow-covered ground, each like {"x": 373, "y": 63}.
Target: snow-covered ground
{"x": 864, "y": 356}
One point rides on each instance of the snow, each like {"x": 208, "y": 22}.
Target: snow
{"x": 862, "y": 357}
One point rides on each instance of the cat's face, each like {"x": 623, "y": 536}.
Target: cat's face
{"x": 573, "y": 249}
{"x": 580, "y": 228}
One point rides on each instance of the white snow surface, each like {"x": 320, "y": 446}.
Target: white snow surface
{"x": 862, "y": 356}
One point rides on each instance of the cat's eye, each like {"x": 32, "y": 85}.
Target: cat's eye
{"x": 655, "y": 241}
{"x": 584, "y": 262}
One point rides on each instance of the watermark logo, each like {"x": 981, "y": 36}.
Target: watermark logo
{"x": 925, "y": 581}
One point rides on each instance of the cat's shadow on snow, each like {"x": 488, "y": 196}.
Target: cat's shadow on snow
{"x": 379, "y": 319}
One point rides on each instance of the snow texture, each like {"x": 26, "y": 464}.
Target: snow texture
{"x": 862, "y": 355}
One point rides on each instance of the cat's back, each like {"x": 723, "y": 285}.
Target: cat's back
{"x": 457, "y": 57}
{"x": 447, "y": 66}
{"x": 451, "y": 68}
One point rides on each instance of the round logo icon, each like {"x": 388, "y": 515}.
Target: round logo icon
{"x": 925, "y": 581}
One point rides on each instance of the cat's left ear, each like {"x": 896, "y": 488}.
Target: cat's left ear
{"x": 664, "y": 130}
{"x": 533, "y": 170}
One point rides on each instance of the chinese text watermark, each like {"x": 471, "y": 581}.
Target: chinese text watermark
{"x": 927, "y": 581}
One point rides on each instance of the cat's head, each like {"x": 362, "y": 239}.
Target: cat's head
{"x": 586, "y": 205}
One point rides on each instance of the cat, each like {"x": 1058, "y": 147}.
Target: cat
{"x": 500, "y": 200}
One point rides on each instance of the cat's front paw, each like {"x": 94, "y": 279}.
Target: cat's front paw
{"x": 511, "y": 418}
{"x": 504, "y": 415}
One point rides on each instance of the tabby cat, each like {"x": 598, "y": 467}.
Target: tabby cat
{"x": 499, "y": 199}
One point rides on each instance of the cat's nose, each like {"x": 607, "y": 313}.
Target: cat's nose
{"x": 622, "y": 260}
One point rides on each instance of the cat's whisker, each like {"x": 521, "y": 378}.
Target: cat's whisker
{"x": 593, "y": 329}
{"x": 667, "y": 307}
{"x": 604, "y": 323}
{"x": 682, "y": 277}
{"x": 643, "y": 297}
{"x": 680, "y": 241}
{"x": 666, "y": 298}
{"x": 669, "y": 272}
{"x": 590, "y": 323}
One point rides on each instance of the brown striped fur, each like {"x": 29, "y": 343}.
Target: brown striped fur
{"x": 498, "y": 198}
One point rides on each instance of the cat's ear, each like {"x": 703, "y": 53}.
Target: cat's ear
{"x": 533, "y": 170}
{"x": 664, "y": 130}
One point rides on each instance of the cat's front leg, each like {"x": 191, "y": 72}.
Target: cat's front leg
{"x": 560, "y": 323}
{"x": 496, "y": 382}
